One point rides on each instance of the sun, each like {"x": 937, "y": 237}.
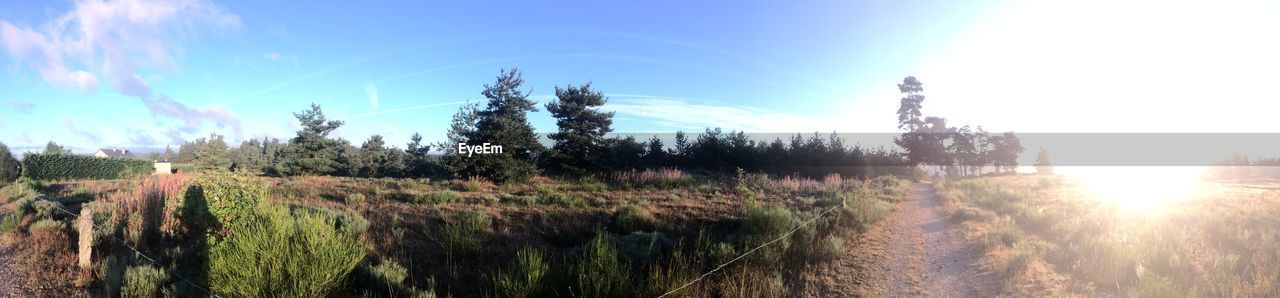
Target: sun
{"x": 1138, "y": 189}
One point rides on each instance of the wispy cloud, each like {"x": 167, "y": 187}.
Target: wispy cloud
{"x": 20, "y": 106}
{"x": 73, "y": 126}
{"x": 193, "y": 119}
{"x": 372, "y": 92}
{"x": 682, "y": 114}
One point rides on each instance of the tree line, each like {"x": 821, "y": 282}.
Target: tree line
{"x": 581, "y": 145}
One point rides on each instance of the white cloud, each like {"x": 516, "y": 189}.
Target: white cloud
{"x": 372, "y": 92}
{"x": 114, "y": 39}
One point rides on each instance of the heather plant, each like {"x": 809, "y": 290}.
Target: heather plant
{"x": 666, "y": 178}
{"x": 229, "y": 197}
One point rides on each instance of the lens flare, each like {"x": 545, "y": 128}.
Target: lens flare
{"x": 1138, "y": 189}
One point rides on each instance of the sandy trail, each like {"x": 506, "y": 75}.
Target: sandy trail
{"x": 915, "y": 252}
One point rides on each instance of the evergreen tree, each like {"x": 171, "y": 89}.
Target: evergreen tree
{"x": 54, "y": 148}
{"x": 1043, "y": 165}
{"x": 655, "y": 155}
{"x": 168, "y": 154}
{"x": 311, "y": 152}
{"x": 372, "y": 160}
{"x": 577, "y": 149}
{"x": 10, "y": 168}
{"x": 503, "y": 122}
{"x": 212, "y": 154}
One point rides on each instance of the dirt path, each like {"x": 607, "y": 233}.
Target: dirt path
{"x": 915, "y": 252}
{"x": 9, "y": 274}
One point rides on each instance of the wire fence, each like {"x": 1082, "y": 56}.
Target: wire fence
{"x": 144, "y": 256}
{"x": 843, "y": 203}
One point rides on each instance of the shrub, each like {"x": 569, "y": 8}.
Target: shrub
{"x": 470, "y": 185}
{"x": 229, "y": 197}
{"x": 387, "y": 277}
{"x": 967, "y": 213}
{"x": 599, "y": 270}
{"x": 355, "y": 199}
{"x": 112, "y": 275}
{"x": 592, "y": 186}
{"x": 673, "y": 197}
{"x": 11, "y": 221}
{"x": 763, "y": 224}
{"x": 69, "y": 166}
{"x": 633, "y": 218}
{"x": 1003, "y": 233}
{"x": 524, "y": 277}
{"x": 464, "y": 237}
{"x": 143, "y": 281}
{"x": 46, "y": 209}
{"x": 47, "y": 224}
{"x": 752, "y": 281}
{"x": 276, "y": 253}
{"x": 439, "y": 197}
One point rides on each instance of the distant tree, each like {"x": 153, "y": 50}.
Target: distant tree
{"x": 679, "y": 154}
{"x": 212, "y": 154}
{"x": 655, "y": 154}
{"x": 1043, "y": 165}
{"x": 54, "y": 148}
{"x": 913, "y": 140}
{"x": 934, "y": 141}
{"x": 311, "y": 152}
{"x": 375, "y": 160}
{"x": 621, "y": 153}
{"x": 964, "y": 149}
{"x": 249, "y": 157}
{"x": 503, "y": 122}
{"x": 461, "y": 128}
{"x": 168, "y": 153}
{"x": 577, "y": 149}
{"x": 187, "y": 151}
{"x": 10, "y": 168}
{"x": 1005, "y": 151}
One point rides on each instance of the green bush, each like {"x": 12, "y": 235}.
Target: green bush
{"x": 524, "y": 277}
{"x": 11, "y": 221}
{"x": 387, "y": 277}
{"x": 279, "y": 253}
{"x": 464, "y": 237}
{"x": 112, "y": 275}
{"x": 439, "y": 197}
{"x": 967, "y": 213}
{"x": 68, "y": 166}
{"x": 592, "y": 186}
{"x": 355, "y": 199}
{"x": 599, "y": 270}
{"x": 633, "y": 218}
{"x": 46, "y": 209}
{"x": 47, "y": 224}
{"x": 228, "y": 197}
{"x": 764, "y": 224}
{"x": 143, "y": 281}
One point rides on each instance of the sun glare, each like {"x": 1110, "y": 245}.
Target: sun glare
{"x": 1137, "y": 189}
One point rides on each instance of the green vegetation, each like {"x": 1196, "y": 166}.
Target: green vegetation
{"x": 277, "y": 252}
{"x": 464, "y": 237}
{"x": 10, "y": 168}
{"x": 600, "y": 272}
{"x": 143, "y": 281}
{"x": 67, "y": 166}
{"x": 524, "y": 277}
{"x": 439, "y": 197}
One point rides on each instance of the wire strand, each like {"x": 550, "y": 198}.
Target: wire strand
{"x": 843, "y": 202}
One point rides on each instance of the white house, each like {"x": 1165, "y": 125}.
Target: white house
{"x": 112, "y": 153}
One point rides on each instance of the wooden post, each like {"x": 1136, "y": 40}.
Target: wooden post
{"x": 85, "y": 225}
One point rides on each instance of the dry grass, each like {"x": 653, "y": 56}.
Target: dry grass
{"x": 1220, "y": 244}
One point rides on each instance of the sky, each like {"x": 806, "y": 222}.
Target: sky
{"x": 145, "y": 73}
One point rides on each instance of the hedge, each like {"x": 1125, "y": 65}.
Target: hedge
{"x": 67, "y": 166}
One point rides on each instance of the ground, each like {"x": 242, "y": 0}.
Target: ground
{"x": 915, "y": 252}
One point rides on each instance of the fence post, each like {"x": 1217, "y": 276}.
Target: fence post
{"x": 85, "y": 225}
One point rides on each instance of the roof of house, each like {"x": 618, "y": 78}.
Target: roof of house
{"x": 116, "y": 153}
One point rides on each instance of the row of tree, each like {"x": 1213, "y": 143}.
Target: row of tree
{"x": 580, "y": 146}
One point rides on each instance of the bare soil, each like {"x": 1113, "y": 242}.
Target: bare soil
{"x": 915, "y": 252}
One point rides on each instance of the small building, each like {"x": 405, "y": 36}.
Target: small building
{"x": 164, "y": 167}
{"x": 112, "y": 153}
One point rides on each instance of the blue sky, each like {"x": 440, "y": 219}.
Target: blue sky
{"x": 146, "y": 73}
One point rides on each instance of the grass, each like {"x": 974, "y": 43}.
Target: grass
{"x": 439, "y": 197}
{"x": 1220, "y": 244}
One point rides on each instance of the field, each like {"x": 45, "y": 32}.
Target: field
{"x": 1045, "y": 235}
{"x": 633, "y": 234}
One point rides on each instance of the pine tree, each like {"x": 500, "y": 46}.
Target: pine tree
{"x": 503, "y": 122}
{"x": 577, "y": 150}
{"x": 10, "y": 168}
{"x": 311, "y": 152}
